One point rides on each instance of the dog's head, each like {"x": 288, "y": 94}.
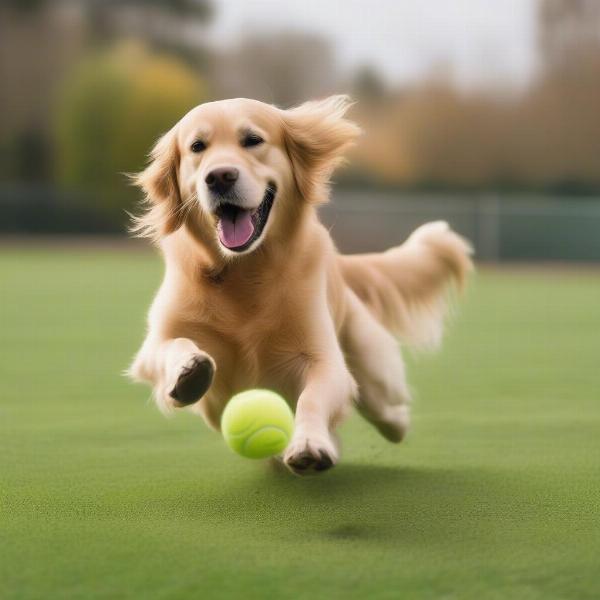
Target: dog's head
{"x": 236, "y": 170}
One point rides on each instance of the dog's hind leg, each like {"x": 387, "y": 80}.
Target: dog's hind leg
{"x": 374, "y": 358}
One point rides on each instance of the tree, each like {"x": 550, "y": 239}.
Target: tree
{"x": 285, "y": 68}
{"x": 111, "y": 109}
{"x": 569, "y": 33}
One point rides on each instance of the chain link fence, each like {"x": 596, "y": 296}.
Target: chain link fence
{"x": 501, "y": 227}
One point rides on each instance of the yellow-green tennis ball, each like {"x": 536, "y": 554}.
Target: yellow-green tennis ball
{"x": 257, "y": 423}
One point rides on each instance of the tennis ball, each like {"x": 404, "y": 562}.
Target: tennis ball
{"x": 257, "y": 423}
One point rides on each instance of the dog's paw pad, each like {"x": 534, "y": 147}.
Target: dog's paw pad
{"x": 308, "y": 458}
{"x": 193, "y": 381}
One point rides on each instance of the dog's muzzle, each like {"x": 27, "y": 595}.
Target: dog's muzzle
{"x": 239, "y": 227}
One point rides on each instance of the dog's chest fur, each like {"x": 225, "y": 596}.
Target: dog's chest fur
{"x": 255, "y": 327}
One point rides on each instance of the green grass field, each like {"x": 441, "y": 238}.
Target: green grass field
{"x": 495, "y": 494}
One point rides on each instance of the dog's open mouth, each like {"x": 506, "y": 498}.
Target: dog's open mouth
{"x": 239, "y": 227}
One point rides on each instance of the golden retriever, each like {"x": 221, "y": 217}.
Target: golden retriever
{"x": 255, "y": 293}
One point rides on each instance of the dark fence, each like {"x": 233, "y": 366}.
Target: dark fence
{"x": 34, "y": 209}
{"x": 507, "y": 227}
{"x": 500, "y": 227}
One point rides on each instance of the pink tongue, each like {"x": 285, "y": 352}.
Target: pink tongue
{"x": 234, "y": 233}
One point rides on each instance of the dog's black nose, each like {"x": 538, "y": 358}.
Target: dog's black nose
{"x": 221, "y": 180}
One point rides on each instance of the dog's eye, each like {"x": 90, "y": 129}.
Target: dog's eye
{"x": 198, "y": 146}
{"x": 252, "y": 139}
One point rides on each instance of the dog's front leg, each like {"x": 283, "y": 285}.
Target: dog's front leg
{"x": 328, "y": 392}
{"x": 180, "y": 372}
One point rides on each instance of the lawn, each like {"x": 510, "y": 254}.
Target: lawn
{"x": 495, "y": 494}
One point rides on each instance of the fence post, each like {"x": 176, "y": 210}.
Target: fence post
{"x": 488, "y": 227}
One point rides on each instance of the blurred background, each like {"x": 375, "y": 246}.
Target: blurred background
{"x": 486, "y": 114}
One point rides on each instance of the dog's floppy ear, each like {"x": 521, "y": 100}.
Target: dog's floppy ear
{"x": 316, "y": 136}
{"x": 162, "y": 198}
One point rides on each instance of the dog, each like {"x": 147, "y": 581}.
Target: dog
{"x": 255, "y": 293}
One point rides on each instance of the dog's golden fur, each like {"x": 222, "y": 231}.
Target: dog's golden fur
{"x": 291, "y": 313}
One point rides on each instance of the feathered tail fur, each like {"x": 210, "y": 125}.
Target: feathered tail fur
{"x": 407, "y": 287}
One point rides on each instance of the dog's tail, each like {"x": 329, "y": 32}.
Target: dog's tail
{"x": 407, "y": 287}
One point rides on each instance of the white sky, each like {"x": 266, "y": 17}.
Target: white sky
{"x": 485, "y": 41}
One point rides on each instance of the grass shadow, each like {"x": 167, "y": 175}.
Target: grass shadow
{"x": 356, "y": 502}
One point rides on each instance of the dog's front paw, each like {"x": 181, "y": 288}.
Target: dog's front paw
{"x": 308, "y": 454}
{"x": 194, "y": 379}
